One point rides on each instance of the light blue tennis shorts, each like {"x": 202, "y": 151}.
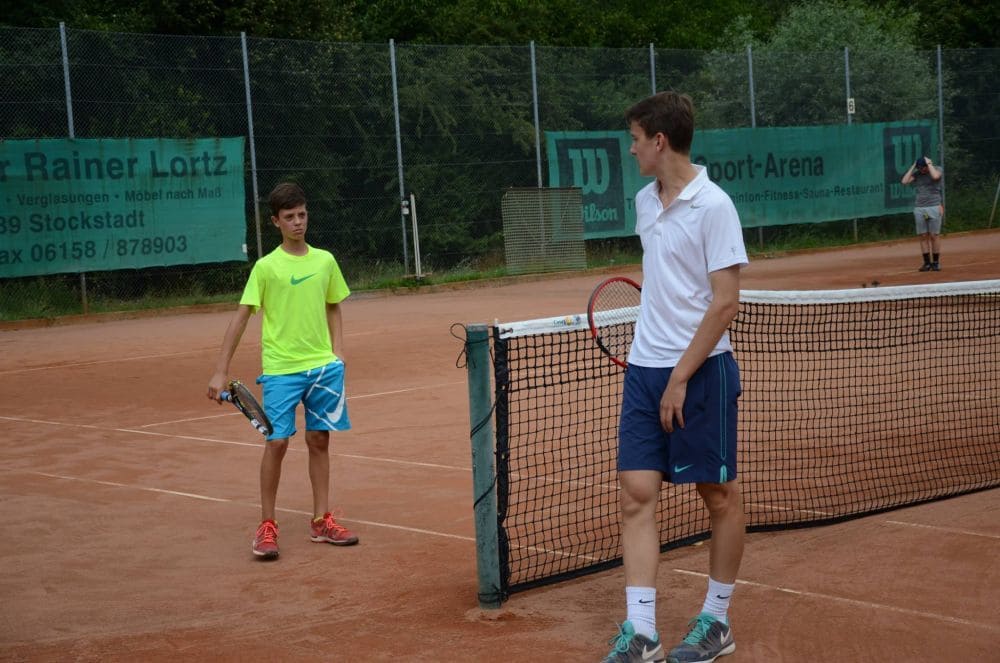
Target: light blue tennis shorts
{"x": 321, "y": 390}
{"x": 704, "y": 451}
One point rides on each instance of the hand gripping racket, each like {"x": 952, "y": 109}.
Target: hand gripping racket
{"x": 245, "y": 402}
{"x": 611, "y": 313}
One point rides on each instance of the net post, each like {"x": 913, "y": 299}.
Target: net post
{"x": 483, "y": 471}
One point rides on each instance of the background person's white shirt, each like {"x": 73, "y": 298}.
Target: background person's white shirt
{"x": 699, "y": 232}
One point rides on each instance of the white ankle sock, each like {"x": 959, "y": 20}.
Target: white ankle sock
{"x": 641, "y": 605}
{"x": 717, "y": 600}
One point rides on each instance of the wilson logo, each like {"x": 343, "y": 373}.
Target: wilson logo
{"x": 591, "y": 170}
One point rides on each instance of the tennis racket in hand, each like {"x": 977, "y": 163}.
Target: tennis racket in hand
{"x": 245, "y": 402}
{"x": 611, "y": 314}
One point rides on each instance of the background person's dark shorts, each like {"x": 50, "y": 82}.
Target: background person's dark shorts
{"x": 704, "y": 451}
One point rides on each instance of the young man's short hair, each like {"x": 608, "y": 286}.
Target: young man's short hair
{"x": 669, "y": 113}
{"x": 286, "y": 196}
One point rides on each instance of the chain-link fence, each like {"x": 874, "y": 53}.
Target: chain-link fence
{"x": 363, "y": 127}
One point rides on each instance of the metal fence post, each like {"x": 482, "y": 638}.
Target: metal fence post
{"x": 72, "y": 134}
{"x": 994, "y": 210}
{"x": 399, "y": 153}
{"x": 253, "y": 150}
{"x": 652, "y": 66}
{"x": 940, "y": 82}
{"x": 418, "y": 270}
{"x": 534, "y": 103}
{"x": 753, "y": 120}
{"x": 847, "y": 83}
{"x": 753, "y": 102}
{"x": 850, "y": 112}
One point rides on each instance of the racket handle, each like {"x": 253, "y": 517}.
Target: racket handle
{"x": 224, "y": 395}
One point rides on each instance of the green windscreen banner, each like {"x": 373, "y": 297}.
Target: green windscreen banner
{"x": 80, "y": 205}
{"x": 775, "y": 175}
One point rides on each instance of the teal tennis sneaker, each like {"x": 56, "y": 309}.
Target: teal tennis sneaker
{"x": 630, "y": 647}
{"x": 707, "y": 640}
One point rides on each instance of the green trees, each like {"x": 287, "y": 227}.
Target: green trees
{"x": 800, "y": 69}
{"x": 671, "y": 24}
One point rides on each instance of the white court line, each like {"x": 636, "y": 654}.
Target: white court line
{"x": 786, "y": 590}
{"x": 248, "y": 346}
{"x": 377, "y": 459}
{"x": 558, "y": 553}
{"x": 401, "y": 462}
{"x": 162, "y": 491}
{"x": 350, "y": 398}
{"x": 771, "y": 507}
{"x": 403, "y": 391}
{"x": 190, "y": 419}
{"x": 256, "y": 445}
{"x": 950, "y": 530}
{"x": 105, "y": 361}
{"x": 855, "y": 602}
{"x": 129, "y": 430}
{"x": 115, "y": 484}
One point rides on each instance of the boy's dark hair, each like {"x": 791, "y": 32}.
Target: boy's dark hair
{"x": 286, "y": 196}
{"x": 669, "y": 113}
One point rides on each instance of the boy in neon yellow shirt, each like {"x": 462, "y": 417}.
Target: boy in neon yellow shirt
{"x": 299, "y": 288}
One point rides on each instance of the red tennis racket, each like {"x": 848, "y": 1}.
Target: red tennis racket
{"x": 611, "y": 313}
{"x": 245, "y": 402}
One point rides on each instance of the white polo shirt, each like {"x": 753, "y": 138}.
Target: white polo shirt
{"x": 699, "y": 232}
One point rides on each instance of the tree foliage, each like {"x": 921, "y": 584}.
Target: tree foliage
{"x": 801, "y": 71}
{"x": 593, "y": 23}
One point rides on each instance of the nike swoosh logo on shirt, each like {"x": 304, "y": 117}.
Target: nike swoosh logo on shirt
{"x": 296, "y": 281}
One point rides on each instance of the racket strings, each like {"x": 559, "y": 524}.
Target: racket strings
{"x": 613, "y": 310}
{"x": 253, "y": 410}
{"x": 246, "y": 402}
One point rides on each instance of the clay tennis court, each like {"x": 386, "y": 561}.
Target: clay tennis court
{"x": 129, "y": 500}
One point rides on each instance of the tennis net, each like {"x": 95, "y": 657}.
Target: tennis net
{"x": 854, "y": 402}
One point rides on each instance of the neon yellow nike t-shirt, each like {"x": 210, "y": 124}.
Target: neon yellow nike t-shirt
{"x": 293, "y": 291}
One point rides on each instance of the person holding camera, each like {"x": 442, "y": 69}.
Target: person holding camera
{"x": 928, "y": 210}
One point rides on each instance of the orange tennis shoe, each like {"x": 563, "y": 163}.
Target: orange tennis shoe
{"x": 265, "y": 542}
{"x": 328, "y": 530}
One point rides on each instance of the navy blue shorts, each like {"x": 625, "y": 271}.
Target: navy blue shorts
{"x": 704, "y": 451}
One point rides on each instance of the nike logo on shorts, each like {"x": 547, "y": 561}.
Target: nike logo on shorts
{"x": 678, "y": 470}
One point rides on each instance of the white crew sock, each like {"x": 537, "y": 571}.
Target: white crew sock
{"x": 717, "y": 600}
{"x": 641, "y": 605}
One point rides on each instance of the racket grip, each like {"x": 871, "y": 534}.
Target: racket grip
{"x": 224, "y": 395}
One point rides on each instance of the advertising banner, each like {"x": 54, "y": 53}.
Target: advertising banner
{"x": 79, "y": 205}
{"x": 775, "y": 175}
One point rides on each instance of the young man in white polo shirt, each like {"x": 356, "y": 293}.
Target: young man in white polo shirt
{"x": 678, "y": 418}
